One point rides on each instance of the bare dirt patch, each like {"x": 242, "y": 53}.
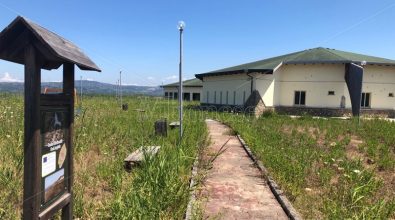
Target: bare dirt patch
{"x": 98, "y": 190}
{"x": 313, "y": 132}
{"x": 88, "y": 159}
{"x": 352, "y": 149}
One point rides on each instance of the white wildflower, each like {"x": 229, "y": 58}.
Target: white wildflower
{"x": 356, "y": 171}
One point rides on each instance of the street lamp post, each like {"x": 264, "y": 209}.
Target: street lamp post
{"x": 181, "y": 26}
{"x": 120, "y": 86}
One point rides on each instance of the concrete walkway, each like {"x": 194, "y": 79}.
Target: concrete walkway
{"x": 234, "y": 187}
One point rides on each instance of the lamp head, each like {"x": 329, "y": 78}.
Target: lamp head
{"x": 181, "y": 25}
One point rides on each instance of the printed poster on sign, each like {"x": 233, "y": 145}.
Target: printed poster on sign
{"x": 54, "y": 154}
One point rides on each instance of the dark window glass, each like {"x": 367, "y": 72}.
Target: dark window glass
{"x": 365, "y": 100}
{"x": 300, "y": 98}
{"x": 176, "y": 95}
{"x": 297, "y": 98}
{"x": 186, "y": 96}
{"x": 196, "y": 96}
{"x": 331, "y": 92}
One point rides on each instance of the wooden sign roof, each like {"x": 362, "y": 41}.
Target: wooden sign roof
{"x": 54, "y": 49}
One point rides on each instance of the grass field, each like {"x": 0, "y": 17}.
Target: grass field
{"x": 329, "y": 169}
{"x": 104, "y": 136}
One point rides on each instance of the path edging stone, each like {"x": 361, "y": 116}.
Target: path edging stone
{"x": 192, "y": 198}
{"x": 277, "y": 192}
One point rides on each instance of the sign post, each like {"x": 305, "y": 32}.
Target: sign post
{"x": 49, "y": 118}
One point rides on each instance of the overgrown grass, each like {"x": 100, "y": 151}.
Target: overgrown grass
{"x": 329, "y": 169}
{"x": 104, "y": 136}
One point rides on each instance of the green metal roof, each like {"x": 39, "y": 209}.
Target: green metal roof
{"x": 187, "y": 83}
{"x": 315, "y": 55}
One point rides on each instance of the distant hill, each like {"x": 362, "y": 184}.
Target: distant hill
{"x": 88, "y": 87}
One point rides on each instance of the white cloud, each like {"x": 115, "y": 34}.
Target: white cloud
{"x": 89, "y": 79}
{"x": 171, "y": 77}
{"x": 150, "y": 78}
{"x": 7, "y": 77}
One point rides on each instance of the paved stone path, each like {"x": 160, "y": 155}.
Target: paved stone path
{"x": 234, "y": 187}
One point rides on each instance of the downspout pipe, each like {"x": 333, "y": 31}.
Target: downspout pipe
{"x": 251, "y": 78}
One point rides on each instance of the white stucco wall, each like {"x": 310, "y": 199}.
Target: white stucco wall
{"x": 317, "y": 80}
{"x": 238, "y": 84}
{"x": 265, "y": 84}
{"x": 278, "y": 89}
{"x": 379, "y": 81}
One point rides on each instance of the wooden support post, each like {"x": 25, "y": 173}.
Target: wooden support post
{"x": 32, "y": 144}
{"x": 161, "y": 127}
{"x": 68, "y": 90}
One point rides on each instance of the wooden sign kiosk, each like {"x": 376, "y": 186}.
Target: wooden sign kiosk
{"x": 48, "y": 146}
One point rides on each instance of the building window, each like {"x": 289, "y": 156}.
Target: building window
{"x": 300, "y": 98}
{"x": 176, "y": 95}
{"x": 186, "y": 96}
{"x": 365, "y": 100}
{"x": 207, "y": 97}
{"x": 227, "y": 97}
{"x": 166, "y": 94}
{"x": 391, "y": 94}
{"x": 331, "y": 92}
{"x": 215, "y": 97}
{"x": 196, "y": 96}
{"x": 170, "y": 95}
{"x": 220, "y": 97}
{"x": 234, "y": 97}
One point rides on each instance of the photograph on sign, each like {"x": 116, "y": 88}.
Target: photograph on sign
{"x": 54, "y": 184}
{"x": 48, "y": 164}
{"x": 62, "y": 155}
{"x": 53, "y": 126}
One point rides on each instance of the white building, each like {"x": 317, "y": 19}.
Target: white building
{"x": 192, "y": 90}
{"x": 318, "y": 81}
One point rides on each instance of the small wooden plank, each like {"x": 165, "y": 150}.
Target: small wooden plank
{"x": 139, "y": 155}
{"x": 174, "y": 124}
{"x": 56, "y": 206}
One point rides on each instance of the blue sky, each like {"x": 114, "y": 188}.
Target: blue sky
{"x": 141, "y": 38}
